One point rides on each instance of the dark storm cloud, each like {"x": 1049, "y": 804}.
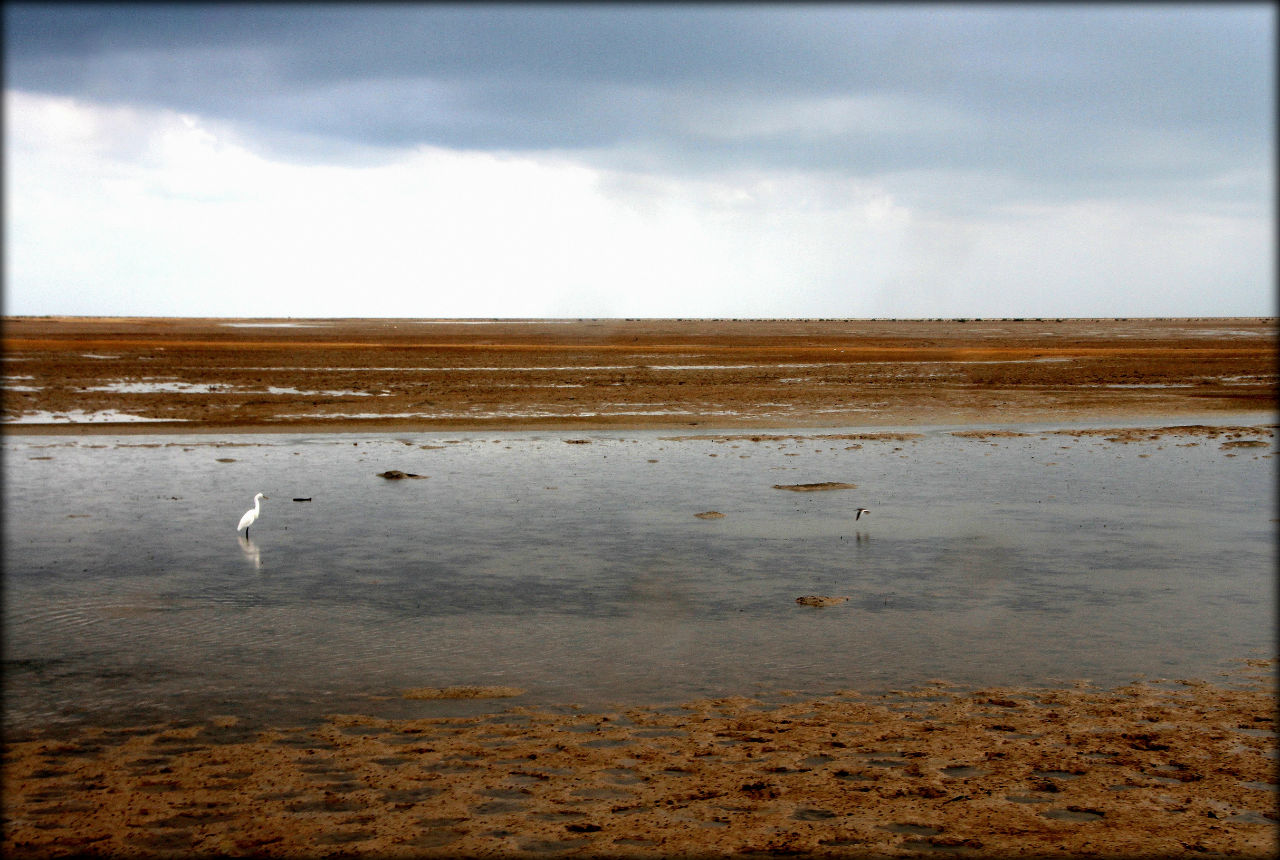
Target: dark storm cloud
{"x": 1061, "y": 94}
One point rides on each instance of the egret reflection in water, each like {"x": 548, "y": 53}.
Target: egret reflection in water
{"x": 252, "y": 553}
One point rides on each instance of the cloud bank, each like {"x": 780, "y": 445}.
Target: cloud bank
{"x": 407, "y": 160}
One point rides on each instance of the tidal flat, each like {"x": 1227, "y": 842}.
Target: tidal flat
{"x": 575, "y": 629}
{"x": 1057, "y": 639}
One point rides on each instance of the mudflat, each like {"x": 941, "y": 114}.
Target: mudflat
{"x": 1162, "y": 767}
{"x": 297, "y": 375}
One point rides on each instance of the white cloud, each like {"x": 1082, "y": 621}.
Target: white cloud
{"x": 129, "y": 211}
{"x": 1090, "y": 258}
{"x": 118, "y": 211}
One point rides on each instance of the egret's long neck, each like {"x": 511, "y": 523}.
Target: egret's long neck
{"x": 257, "y": 504}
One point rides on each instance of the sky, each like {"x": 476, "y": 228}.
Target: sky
{"x": 664, "y": 160}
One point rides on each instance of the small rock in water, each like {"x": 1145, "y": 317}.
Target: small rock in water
{"x": 820, "y": 600}
{"x": 462, "y": 692}
{"x": 710, "y": 515}
{"x": 810, "y": 488}
{"x": 396, "y": 474}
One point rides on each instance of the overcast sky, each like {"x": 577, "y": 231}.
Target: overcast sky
{"x": 619, "y": 160}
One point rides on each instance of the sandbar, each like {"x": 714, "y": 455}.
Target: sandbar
{"x": 156, "y": 375}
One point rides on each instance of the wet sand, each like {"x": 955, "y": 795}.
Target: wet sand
{"x": 1161, "y": 768}
{"x": 1158, "y": 768}
{"x": 400, "y": 375}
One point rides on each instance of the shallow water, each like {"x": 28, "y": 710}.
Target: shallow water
{"x": 579, "y": 572}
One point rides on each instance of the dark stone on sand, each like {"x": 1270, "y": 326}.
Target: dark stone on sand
{"x": 396, "y": 475}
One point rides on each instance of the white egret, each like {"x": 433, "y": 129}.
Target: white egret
{"x": 860, "y": 512}
{"x": 251, "y": 516}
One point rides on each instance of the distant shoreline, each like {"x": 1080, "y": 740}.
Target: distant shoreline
{"x": 70, "y": 375}
{"x": 128, "y": 317}
{"x": 1120, "y": 421}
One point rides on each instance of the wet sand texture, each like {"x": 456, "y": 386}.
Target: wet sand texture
{"x": 405, "y": 374}
{"x": 1167, "y": 769}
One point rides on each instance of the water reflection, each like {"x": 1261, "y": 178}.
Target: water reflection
{"x": 579, "y": 572}
{"x": 252, "y": 553}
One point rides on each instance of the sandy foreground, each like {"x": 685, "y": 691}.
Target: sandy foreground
{"x": 1162, "y": 767}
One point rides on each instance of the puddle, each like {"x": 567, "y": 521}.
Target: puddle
{"x": 911, "y": 829}
{"x": 1073, "y": 814}
{"x": 340, "y": 837}
{"x": 659, "y": 733}
{"x": 1262, "y": 786}
{"x": 505, "y": 793}
{"x": 603, "y": 792}
{"x": 622, "y": 776}
{"x": 635, "y": 842}
{"x": 80, "y": 416}
{"x": 549, "y": 846}
{"x": 520, "y": 778}
{"x": 931, "y": 846}
{"x": 1100, "y": 758}
{"x": 497, "y": 807}
{"x": 849, "y": 776}
{"x": 330, "y": 803}
{"x": 134, "y": 597}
